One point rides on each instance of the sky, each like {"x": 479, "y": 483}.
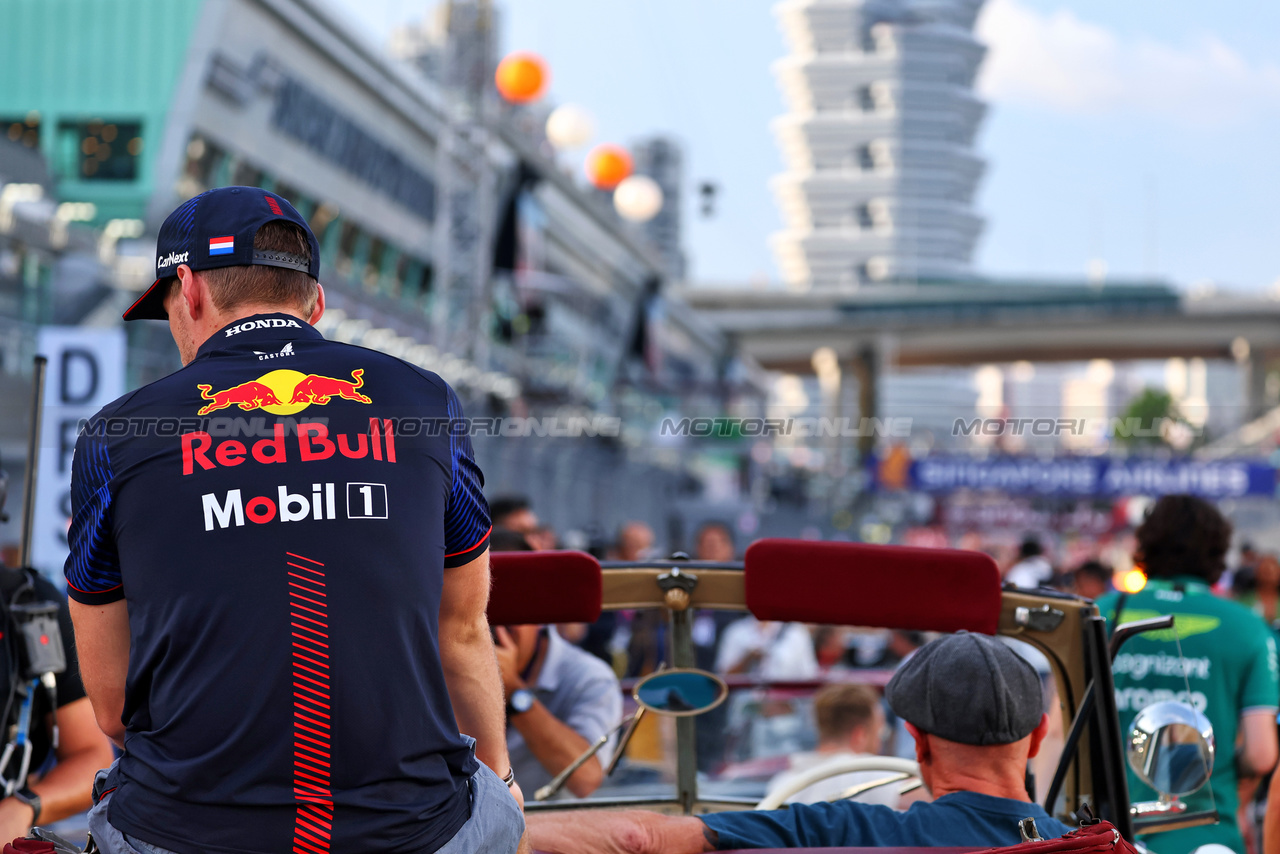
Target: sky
{"x": 1138, "y": 134}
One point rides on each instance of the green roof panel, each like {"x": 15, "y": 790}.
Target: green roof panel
{"x": 74, "y": 61}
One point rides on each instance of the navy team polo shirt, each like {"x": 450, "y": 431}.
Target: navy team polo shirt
{"x": 278, "y": 515}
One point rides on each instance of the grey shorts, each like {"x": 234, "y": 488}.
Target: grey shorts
{"x": 496, "y": 823}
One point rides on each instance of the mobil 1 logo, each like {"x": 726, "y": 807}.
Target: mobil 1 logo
{"x": 233, "y": 508}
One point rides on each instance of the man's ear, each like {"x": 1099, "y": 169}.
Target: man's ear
{"x": 1037, "y": 735}
{"x": 922, "y": 742}
{"x": 194, "y": 293}
{"x": 318, "y": 311}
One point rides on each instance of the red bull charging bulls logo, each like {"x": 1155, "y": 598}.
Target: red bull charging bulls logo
{"x": 284, "y": 392}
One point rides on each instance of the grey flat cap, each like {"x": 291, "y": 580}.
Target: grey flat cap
{"x": 968, "y": 688}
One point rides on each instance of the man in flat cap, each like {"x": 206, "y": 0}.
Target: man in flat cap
{"x": 974, "y": 708}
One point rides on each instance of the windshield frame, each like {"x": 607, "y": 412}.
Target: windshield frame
{"x": 1068, "y": 630}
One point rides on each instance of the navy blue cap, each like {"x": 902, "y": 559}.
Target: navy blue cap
{"x": 216, "y": 229}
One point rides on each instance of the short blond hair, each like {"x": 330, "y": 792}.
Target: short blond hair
{"x": 841, "y": 709}
{"x": 232, "y": 287}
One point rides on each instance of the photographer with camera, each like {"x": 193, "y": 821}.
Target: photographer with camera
{"x": 53, "y": 746}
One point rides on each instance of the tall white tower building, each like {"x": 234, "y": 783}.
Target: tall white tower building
{"x": 878, "y": 142}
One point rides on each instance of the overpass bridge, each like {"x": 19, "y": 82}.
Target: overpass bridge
{"x": 876, "y": 328}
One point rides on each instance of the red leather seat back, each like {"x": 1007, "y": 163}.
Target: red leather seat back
{"x": 544, "y": 587}
{"x": 856, "y": 584}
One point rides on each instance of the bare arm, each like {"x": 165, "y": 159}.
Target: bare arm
{"x": 1271, "y": 824}
{"x": 1258, "y": 743}
{"x": 630, "y": 832}
{"x": 553, "y": 742}
{"x": 82, "y": 751}
{"x": 470, "y": 666}
{"x": 102, "y": 642}
{"x": 747, "y": 663}
{"x": 66, "y": 789}
{"x": 1256, "y": 755}
{"x": 1246, "y": 789}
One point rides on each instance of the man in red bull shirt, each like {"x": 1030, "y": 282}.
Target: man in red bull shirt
{"x": 279, "y": 572}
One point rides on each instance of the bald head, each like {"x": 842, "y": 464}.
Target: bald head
{"x": 634, "y": 541}
{"x": 714, "y": 542}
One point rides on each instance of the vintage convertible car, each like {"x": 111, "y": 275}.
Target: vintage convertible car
{"x": 874, "y": 586}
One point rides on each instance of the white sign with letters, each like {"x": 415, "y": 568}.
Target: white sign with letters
{"x": 85, "y": 373}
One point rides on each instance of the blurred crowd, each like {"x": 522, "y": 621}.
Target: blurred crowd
{"x": 734, "y": 645}
{"x": 1180, "y": 552}
{"x": 1253, "y": 579}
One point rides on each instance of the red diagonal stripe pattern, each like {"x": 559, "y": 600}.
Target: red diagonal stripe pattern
{"x": 309, "y": 611}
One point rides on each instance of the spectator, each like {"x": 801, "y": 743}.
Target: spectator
{"x": 642, "y": 634}
{"x": 850, "y": 724}
{"x": 62, "y": 767}
{"x": 507, "y": 540}
{"x": 1265, "y": 592}
{"x": 515, "y": 513}
{"x": 714, "y": 542}
{"x": 635, "y": 541}
{"x": 1182, "y": 545}
{"x": 1032, "y": 569}
{"x": 1092, "y": 579}
{"x": 747, "y": 646}
{"x": 768, "y": 650}
{"x": 830, "y": 643}
{"x": 900, "y": 646}
{"x": 560, "y": 700}
{"x": 1245, "y": 574}
{"x": 542, "y": 538}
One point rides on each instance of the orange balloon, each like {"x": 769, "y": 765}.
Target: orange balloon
{"x": 521, "y": 77}
{"x": 607, "y": 165}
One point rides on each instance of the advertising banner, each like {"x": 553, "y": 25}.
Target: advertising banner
{"x": 1088, "y": 476}
{"x": 86, "y": 372}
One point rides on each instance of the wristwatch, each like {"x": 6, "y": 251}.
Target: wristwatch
{"x": 521, "y": 701}
{"x": 31, "y": 799}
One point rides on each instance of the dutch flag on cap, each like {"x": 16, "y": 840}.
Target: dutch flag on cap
{"x": 222, "y": 245}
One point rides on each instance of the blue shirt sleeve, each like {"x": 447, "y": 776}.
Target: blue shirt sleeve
{"x": 466, "y": 522}
{"x": 93, "y": 566}
{"x": 837, "y": 825}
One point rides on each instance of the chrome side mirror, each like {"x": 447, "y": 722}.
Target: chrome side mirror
{"x": 1170, "y": 748}
{"x": 681, "y": 692}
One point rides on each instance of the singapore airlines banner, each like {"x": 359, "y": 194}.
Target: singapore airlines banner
{"x": 86, "y": 372}
{"x": 1088, "y": 476}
